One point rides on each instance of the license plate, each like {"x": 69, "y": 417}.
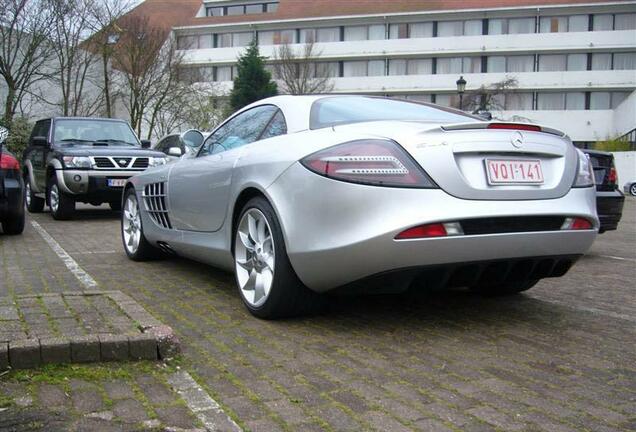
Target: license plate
{"x": 116, "y": 182}
{"x": 506, "y": 171}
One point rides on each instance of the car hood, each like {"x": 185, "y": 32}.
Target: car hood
{"x": 109, "y": 151}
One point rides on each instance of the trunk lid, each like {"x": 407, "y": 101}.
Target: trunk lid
{"x": 455, "y": 156}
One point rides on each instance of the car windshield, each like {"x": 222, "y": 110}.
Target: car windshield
{"x": 333, "y": 111}
{"x": 73, "y": 131}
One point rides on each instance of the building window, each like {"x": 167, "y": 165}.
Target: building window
{"x": 376, "y": 68}
{"x": 577, "y": 62}
{"x": 277, "y": 37}
{"x": 206, "y": 41}
{"x": 575, "y": 101}
{"x": 328, "y": 69}
{"x": 524, "y": 63}
{"x": 601, "y": 61}
{"x": 603, "y": 22}
{"x": 550, "y": 101}
{"x": 600, "y": 100}
{"x": 518, "y": 101}
{"x": 520, "y": 25}
{"x": 578, "y": 23}
{"x": 377, "y": 32}
{"x": 354, "y": 68}
{"x": 625, "y": 61}
{"x": 358, "y": 33}
{"x": 187, "y": 42}
{"x": 473, "y": 28}
{"x": 450, "y": 28}
{"x": 451, "y": 65}
{"x": 397, "y": 67}
{"x": 249, "y": 8}
{"x": 224, "y": 40}
{"x": 618, "y": 98}
{"x": 552, "y": 62}
{"x": 496, "y": 64}
{"x": 398, "y": 31}
{"x": 421, "y": 30}
{"x": 625, "y": 21}
{"x": 242, "y": 39}
{"x": 420, "y": 67}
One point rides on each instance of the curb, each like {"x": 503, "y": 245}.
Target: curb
{"x": 155, "y": 340}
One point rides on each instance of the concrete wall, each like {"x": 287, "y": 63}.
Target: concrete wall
{"x": 625, "y": 166}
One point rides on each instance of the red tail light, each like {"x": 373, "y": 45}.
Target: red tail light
{"x": 576, "y": 223}
{"x": 8, "y": 162}
{"x": 372, "y": 162}
{"x": 514, "y": 126}
{"x": 423, "y": 231}
{"x": 612, "y": 177}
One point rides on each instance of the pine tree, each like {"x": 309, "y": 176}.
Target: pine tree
{"x": 253, "y": 82}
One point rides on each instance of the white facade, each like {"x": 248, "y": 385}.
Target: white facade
{"x": 575, "y": 65}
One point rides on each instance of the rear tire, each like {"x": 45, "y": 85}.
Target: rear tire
{"x": 266, "y": 281}
{"x": 14, "y": 226}
{"x": 632, "y": 189}
{"x": 132, "y": 233}
{"x": 504, "y": 289}
{"x": 62, "y": 206}
{"x": 34, "y": 204}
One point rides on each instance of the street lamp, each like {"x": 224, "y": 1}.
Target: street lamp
{"x": 461, "y": 87}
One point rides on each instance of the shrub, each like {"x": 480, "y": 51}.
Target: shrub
{"x": 19, "y": 133}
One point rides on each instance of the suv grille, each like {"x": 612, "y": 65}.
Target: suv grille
{"x": 103, "y": 162}
{"x": 155, "y": 201}
{"x": 125, "y": 162}
{"x": 500, "y": 225}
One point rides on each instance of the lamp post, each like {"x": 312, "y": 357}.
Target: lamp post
{"x": 461, "y": 87}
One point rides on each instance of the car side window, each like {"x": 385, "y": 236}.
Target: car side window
{"x": 41, "y": 129}
{"x": 243, "y": 129}
{"x": 277, "y": 126}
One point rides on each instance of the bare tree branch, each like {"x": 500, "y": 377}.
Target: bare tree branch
{"x": 25, "y": 48}
{"x": 300, "y": 73}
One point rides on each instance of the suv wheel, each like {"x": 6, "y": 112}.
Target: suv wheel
{"x": 34, "y": 204}
{"x": 62, "y": 206}
{"x": 132, "y": 232}
{"x": 266, "y": 280}
{"x": 632, "y": 189}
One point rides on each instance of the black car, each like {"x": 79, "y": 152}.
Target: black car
{"x": 11, "y": 190}
{"x": 72, "y": 159}
{"x": 609, "y": 198}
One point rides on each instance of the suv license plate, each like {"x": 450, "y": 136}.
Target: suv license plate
{"x": 508, "y": 171}
{"x": 116, "y": 182}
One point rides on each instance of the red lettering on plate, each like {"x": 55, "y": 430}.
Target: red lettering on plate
{"x": 504, "y": 172}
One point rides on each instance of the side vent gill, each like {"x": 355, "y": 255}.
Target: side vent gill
{"x": 155, "y": 201}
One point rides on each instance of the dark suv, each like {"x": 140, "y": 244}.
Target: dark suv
{"x": 609, "y": 198}
{"x": 71, "y": 159}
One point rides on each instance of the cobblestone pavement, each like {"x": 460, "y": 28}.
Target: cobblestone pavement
{"x": 560, "y": 358}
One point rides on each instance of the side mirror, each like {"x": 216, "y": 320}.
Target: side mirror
{"x": 39, "y": 141}
{"x": 174, "y": 151}
{"x": 145, "y": 143}
{"x": 4, "y": 133}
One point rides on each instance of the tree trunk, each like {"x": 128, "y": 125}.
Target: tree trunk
{"x": 109, "y": 112}
{"x": 9, "y": 107}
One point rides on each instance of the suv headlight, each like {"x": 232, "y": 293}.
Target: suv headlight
{"x": 77, "y": 162}
{"x": 584, "y": 172}
{"x": 156, "y": 161}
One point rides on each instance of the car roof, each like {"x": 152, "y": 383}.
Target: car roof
{"x": 84, "y": 118}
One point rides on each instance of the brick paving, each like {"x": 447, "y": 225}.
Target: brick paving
{"x": 560, "y": 358}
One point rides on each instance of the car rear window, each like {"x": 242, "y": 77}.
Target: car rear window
{"x": 339, "y": 110}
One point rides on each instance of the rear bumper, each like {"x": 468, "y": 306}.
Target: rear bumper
{"x": 11, "y": 198}
{"x": 609, "y": 206}
{"x": 92, "y": 185}
{"x": 337, "y": 233}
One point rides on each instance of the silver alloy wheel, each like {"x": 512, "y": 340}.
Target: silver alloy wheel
{"x": 254, "y": 257}
{"x": 54, "y": 198}
{"x": 28, "y": 193}
{"x": 632, "y": 189}
{"x": 131, "y": 224}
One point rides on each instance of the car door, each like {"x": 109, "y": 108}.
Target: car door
{"x": 37, "y": 154}
{"x": 199, "y": 188}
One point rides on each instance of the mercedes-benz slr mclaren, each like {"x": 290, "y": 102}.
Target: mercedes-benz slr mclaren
{"x": 305, "y": 195}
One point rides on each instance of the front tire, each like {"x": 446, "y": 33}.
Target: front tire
{"x": 267, "y": 283}
{"x": 504, "y": 289}
{"x": 62, "y": 206}
{"x": 34, "y": 204}
{"x": 132, "y": 233}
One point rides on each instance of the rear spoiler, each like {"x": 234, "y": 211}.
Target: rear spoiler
{"x": 500, "y": 125}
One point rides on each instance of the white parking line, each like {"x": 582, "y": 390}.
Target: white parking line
{"x": 70, "y": 263}
{"x": 207, "y": 410}
{"x": 592, "y": 310}
{"x": 617, "y": 258}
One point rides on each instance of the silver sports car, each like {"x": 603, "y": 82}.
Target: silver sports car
{"x": 302, "y": 195}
